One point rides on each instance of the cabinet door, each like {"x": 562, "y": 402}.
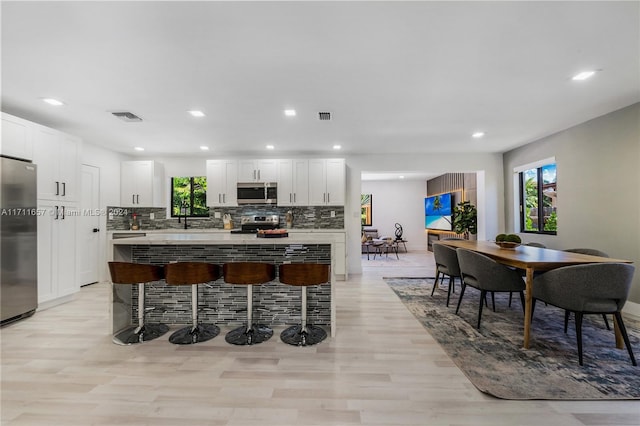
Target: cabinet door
{"x": 267, "y": 171}
{"x": 68, "y": 167}
{"x": 285, "y": 182}
{"x": 46, "y": 158}
{"x": 143, "y": 184}
{"x": 127, "y": 184}
{"x": 47, "y": 265}
{"x": 17, "y": 140}
{"x": 65, "y": 247}
{"x": 335, "y": 182}
{"x": 317, "y": 183}
{"x": 230, "y": 195}
{"x": 222, "y": 180}
{"x": 300, "y": 182}
{"x": 247, "y": 171}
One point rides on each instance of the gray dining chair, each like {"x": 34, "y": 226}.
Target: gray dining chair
{"x": 487, "y": 275}
{"x": 580, "y": 289}
{"x": 590, "y": 252}
{"x": 447, "y": 264}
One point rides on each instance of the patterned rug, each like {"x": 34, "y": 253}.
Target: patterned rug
{"x": 493, "y": 357}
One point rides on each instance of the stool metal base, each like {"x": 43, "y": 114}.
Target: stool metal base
{"x": 296, "y": 337}
{"x": 135, "y": 334}
{"x": 188, "y": 335}
{"x": 241, "y": 336}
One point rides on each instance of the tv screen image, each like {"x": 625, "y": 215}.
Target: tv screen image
{"x": 437, "y": 211}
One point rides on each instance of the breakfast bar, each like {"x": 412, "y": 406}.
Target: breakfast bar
{"x": 221, "y": 303}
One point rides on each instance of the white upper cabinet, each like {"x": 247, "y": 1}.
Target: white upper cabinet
{"x": 257, "y": 171}
{"x": 327, "y": 182}
{"x": 222, "y": 183}
{"x": 57, "y": 156}
{"x": 293, "y": 182}
{"x": 141, "y": 184}
{"x": 17, "y": 137}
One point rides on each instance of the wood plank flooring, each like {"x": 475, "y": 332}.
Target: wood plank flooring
{"x": 382, "y": 368}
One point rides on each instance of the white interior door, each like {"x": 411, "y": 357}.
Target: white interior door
{"x": 89, "y": 230}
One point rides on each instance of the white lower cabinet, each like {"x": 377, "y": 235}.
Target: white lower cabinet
{"x": 57, "y": 276}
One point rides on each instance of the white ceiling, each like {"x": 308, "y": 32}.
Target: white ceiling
{"x": 398, "y": 77}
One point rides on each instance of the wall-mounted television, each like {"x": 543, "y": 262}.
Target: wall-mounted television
{"x": 437, "y": 212}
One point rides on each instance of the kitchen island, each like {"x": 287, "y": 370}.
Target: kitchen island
{"x": 224, "y": 304}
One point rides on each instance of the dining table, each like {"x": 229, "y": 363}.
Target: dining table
{"x": 532, "y": 260}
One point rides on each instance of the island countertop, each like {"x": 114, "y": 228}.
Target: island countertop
{"x": 228, "y": 238}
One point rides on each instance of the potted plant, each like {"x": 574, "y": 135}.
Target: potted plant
{"x": 465, "y": 219}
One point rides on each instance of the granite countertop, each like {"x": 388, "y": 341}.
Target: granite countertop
{"x": 228, "y": 238}
{"x": 211, "y": 230}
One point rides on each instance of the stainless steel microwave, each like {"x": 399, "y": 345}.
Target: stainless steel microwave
{"x": 258, "y": 193}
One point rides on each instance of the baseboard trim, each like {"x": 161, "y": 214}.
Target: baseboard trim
{"x": 632, "y": 309}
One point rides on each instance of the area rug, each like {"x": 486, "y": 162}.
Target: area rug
{"x": 493, "y": 357}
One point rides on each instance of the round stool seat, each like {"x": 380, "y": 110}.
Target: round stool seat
{"x": 249, "y": 274}
{"x": 192, "y": 273}
{"x": 137, "y": 274}
{"x": 304, "y": 274}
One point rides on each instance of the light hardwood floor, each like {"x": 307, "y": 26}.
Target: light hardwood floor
{"x": 382, "y": 368}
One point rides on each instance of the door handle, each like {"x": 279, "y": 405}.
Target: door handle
{"x": 55, "y": 217}
{"x": 64, "y": 189}
{"x": 57, "y": 188}
{"x": 258, "y": 175}
{"x": 133, "y": 199}
{"x": 137, "y": 198}
{"x": 62, "y": 212}
{"x": 96, "y": 229}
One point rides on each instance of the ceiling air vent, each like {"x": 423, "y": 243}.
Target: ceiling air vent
{"x": 324, "y": 115}
{"x": 129, "y": 117}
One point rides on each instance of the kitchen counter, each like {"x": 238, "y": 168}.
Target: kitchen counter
{"x": 276, "y": 303}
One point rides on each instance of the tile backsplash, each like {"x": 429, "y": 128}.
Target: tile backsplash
{"x": 307, "y": 217}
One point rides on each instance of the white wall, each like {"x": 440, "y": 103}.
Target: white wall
{"x": 598, "y": 170}
{"x": 400, "y": 202}
{"x": 488, "y": 169}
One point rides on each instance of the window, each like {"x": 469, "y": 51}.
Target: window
{"x": 538, "y": 189}
{"x": 189, "y": 196}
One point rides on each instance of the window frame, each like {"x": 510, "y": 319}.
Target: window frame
{"x": 191, "y": 198}
{"x": 538, "y": 166}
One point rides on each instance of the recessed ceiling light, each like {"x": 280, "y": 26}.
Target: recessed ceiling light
{"x": 52, "y": 101}
{"x": 337, "y": 147}
{"x": 401, "y": 177}
{"x": 139, "y": 148}
{"x": 204, "y": 148}
{"x": 477, "y": 135}
{"x": 196, "y": 113}
{"x": 270, "y": 147}
{"x": 583, "y": 75}
{"x": 290, "y": 112}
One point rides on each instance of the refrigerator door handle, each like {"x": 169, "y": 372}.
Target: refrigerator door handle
{"x": 57, "y": 188}
{"x": 62, "y": 212}
{"x": 55, "y": 216}
{"x": 64, "y": 189}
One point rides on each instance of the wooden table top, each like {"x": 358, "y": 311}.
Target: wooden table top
{"x": 537, "y": 258}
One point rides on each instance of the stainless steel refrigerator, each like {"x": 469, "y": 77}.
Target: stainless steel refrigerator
{"x": 18, "y": 239}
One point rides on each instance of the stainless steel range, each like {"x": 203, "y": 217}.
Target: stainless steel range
{"x": 251, "y": 224}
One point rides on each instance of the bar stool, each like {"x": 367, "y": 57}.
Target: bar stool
{"x": 137, "y": 273}
{"x": 192, "y": 273}
{"x": 249, "y": 273}
{"x": 303, "y": 274}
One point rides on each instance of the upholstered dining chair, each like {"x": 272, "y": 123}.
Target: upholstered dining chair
{"x": 487, "y": 275}
{"x": 447, "y": 264}
{"x": 590, "y": 252}
{"x": 580, "y": 289}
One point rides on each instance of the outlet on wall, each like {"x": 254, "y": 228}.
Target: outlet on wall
{"x": 216, "y": 215}
{"x": 152, "y": 216}
{"x": 333, "y": 213}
